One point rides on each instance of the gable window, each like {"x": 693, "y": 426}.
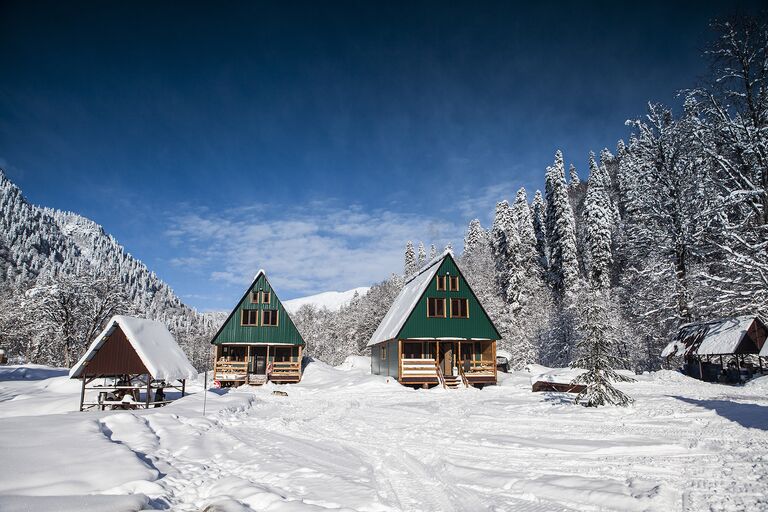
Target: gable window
{"x": 459, "y": 308}
{"x": 249, "y": 317}
{"x": 435, "y": 307}
{"x": 453, "y": 283}
{"x": 269, "y": 317}
{"x": 266, "y": 297}
{"x": 254, "y": 297}
{"x": 440, "y": 283}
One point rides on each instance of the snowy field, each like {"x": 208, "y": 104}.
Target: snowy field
{"x": 346, "y": 440}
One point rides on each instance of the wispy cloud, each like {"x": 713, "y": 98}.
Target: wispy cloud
{"x": 304, "y": 249}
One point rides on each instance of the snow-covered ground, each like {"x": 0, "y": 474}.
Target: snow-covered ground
{"x": 345, "y": 440}
{"x": 333, "y": 301}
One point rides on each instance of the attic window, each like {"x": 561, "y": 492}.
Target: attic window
{"x": 269, "y": 317}
{"x": 266, "y": 297}
{"x": 459, "y": 308}
{"x": 249, "y": 317}
{"x": 453, "y": 283}
{"x": 435, "y": 307}
{"x": 440, "y": 283}
{"x": 255, "y": 297}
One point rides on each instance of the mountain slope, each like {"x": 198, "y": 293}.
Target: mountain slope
{"x": 332, "y": 301}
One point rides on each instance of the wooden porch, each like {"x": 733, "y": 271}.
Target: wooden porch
{"x": 256, "y": 364}
{"x": 449, "y": 363}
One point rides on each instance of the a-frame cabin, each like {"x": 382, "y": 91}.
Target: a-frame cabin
{"x": 436, "y": 332}
{"x": 258, "y": 341}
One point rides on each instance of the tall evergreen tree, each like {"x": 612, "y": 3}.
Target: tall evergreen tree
{"x": 410, "y": 266}
{"x": 422, "y": 258}
{"x": 598, "y": 227}
{"x": 561, "y": 227}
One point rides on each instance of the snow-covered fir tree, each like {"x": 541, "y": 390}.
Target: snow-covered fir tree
{"x": 410, "y": 264}
{"x": 597, "y": 346}
{"x": 422, "y": 255}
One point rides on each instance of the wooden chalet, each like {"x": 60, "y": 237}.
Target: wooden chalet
{"x": 258, "y": 342}
{"x": 132, "y": 363}
{"x": 726, "y": 349}
{"x": 436, "y": 332}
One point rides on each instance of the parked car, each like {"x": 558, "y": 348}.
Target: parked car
{"x": 502, "y": 361}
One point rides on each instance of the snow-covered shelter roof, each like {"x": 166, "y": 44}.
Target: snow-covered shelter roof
{"x": 152, "y": 342}
{"x": 717, "y": 337}
{"x": 406, "y": 300}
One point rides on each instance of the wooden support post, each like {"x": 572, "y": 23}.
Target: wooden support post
{"x": 149, "y": 388}
{"x": 183, "y": 386}
{"x": 493, "y": 355}
{"x": 247, "y": 362}
{"x": 399, "y": 359}
{"x": 760, "y": 363}
{"x": 701, "y": 371}
{"x": 82, "y": 394}
{"x": 266, "y": 365}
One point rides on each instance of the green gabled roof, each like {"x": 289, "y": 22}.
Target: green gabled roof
{"x": 232, "y": 332}
{"x": 407, "y": 316}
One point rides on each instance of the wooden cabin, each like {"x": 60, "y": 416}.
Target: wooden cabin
{"x": 258, "y": 342}
{"x": 132, "y": 363}
{"x": 436, "y": 332}
{"x": 725, "y": 349}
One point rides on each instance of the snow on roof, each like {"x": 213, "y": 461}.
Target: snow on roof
{"x": 722, "y": 336}
{"x": 260, "y": 272}
{"x": 153, "y": 343}
{"x": 406, "y": 300}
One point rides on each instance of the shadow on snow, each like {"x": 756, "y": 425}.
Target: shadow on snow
{"x": 746, "y": 415}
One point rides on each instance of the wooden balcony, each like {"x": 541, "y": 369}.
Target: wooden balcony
{"x": 418, "y": 371}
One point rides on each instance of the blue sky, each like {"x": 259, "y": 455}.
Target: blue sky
{"x": 314, "y": 139}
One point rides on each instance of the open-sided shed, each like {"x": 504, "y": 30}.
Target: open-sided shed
{"x": 132, "y": 355}
{"x": 705, "y": 346}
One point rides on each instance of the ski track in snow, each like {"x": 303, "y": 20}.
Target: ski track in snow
{"x": 345, "y": 440}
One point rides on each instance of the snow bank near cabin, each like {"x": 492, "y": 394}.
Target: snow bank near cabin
{"x": 362, "y": 363}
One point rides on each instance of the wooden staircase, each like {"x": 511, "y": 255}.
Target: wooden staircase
{"x": 451, "y": 381}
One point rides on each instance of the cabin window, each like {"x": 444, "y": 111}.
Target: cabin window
{"x": 266, "y": 297}
{"x": 453, "y": 283}
{"x": 459, "y": 308}
{"x": 250, "y": 317}
{"x": 440, "y": 283}
{"x": 269, "y": 317}
{"x": 435, "y": 308}
{"x": 383, "y": 352}
{"x": 254, "y": 297}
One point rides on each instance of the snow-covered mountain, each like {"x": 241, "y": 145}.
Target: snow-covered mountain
{"x": 41, "y": 246}
{"x": 37, "y": 242}
{"x": 332, "y": 301}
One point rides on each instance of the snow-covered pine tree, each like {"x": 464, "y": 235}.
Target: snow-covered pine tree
{"x": 597, "y": 346}
{"x": 538, "y": 213}
{"x": 574, "y": 176}
{"x": 561, "y": 228}
{"x": 598, "y": 227}
{"x": 422, "y": 258}
{"x": 521, "y": 212}
{"x": 410, "y": 265}
{"x": 432, "y": 252}
{"x": 475, "y": 237}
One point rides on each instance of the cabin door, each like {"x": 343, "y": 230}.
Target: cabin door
{"x": 446, "y": 358}
{"x": 260, "y": 366}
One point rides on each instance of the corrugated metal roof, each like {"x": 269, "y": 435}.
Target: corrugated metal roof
{"x": 405, "y": 301}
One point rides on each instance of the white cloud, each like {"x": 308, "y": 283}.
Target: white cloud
{"x": 306, "y": 250}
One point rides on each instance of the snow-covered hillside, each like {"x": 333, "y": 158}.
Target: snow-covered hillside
{"x": 333, "y": 301}
{"x": 346, "y": 440}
